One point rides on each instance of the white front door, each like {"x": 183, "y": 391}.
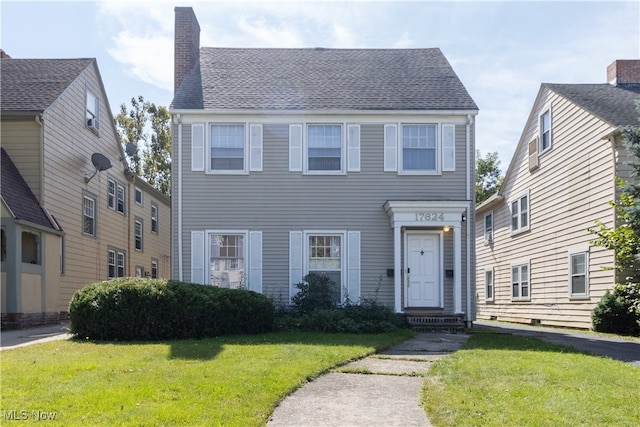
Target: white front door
{"x": 423, "y": 279}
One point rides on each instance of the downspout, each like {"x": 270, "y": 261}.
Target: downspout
{"x": 471, "y": 198}
{"x": 179, "y": 185}
{"x": 43, "y": 255}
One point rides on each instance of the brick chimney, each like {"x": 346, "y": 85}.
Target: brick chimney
{"x": 187, "y": 44}
{"x": 624, "y": 72}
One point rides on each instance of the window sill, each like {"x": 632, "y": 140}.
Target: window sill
{"x": 519, "y": 231}
{"x": 520, "y": 299}
{"x": 579, "y": 298}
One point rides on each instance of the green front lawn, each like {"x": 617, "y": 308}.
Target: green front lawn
{"x": 498, "y": 379}
{"x": 227, "y": 381}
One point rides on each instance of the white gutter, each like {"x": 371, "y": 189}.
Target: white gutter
{"x": 336, "y": 111}
{"x": 180, "y": 261}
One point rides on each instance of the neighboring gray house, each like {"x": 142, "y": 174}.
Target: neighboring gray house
{"x": 357, "y": 163}
{"x": 536, "y": 263}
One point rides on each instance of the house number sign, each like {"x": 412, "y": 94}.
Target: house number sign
{"x": 429, "y": 216}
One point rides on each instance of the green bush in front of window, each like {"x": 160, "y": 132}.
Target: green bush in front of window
{"x": 316, "y": 292}
{"x": 616, "y": 313}
{"x": 151, "y": 309}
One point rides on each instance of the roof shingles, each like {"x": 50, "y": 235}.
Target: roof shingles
{"x": 32, "y": 85}
{"x": 322, "y": 79}
{"x": 19, "y": 197}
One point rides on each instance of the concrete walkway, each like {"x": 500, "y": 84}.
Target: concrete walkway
{"x": 385, "y": 393}
{"x": 613, "y": 347}
{"x": 24, "y": 337}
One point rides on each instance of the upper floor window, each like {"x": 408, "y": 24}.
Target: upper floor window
{"x": 89, "y": 216}
{"x": 3, "y": 249}
{"x": 154, "y": 219}
{"x": 488, "y": 228}
{"x": 92, "y": 111}
{"x": 578, "y": 274}
{"x": 419, "y": 148}
{"x": 138, "y": 234}
{"x": 324, "y": 148}
{"x": 138, "y": 195}
{"x": 520, "y": 214}
{"x": 116, "y": 196}
{"x": 545, "y": 131}
{"x": 520, "y": 282}
{"x": 228, "y": 148}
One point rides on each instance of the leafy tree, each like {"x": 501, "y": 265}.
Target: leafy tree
{"x": 151, "y": 158}
{"x": 488, "y": 175}
{"x": 624, "y": 237}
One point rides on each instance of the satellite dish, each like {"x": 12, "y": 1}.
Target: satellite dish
{"x": 131, "y": 149}
{"x": 100, "y": 162}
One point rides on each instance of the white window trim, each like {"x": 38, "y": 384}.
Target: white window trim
{"x": 207, "y": 157}
{"x": 519, "y": 264}
{"x": 438, "y": 156}
{"x": 343, "y": 254}
{"x": 343, "y": 149}
{"x": 135, "y": 234}
{"x": 137, "y": 190}
{"x": 154, "y": 265}
{"x": 94, "y": 123}
{"x": 207, "y": 252}
{"x": 493, "y": 284}
{"x": 541, "y": 151}
{"x": 577, "y": 251}
{"x": 488, "y": 235}
{"x": 95, "y": 225}
{"x": 117, "y": 186}
{"x": 520, "y": 229}
{"x": 154, "y": 219}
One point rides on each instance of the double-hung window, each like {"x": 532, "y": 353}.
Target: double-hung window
{"x": 326, "y": 256}
{"x": 138, "y": 196}
{"x": 154, "y": 219}
{"x": 228, "y": 148}
{"x": 115, "y": 263}
{"x": 545, "y": 131}
{"x": 488, "y": 285}
{"x": 92, "y": 111}
{"x": 227, "y": 259}
{"x": 324, "y": 148}
{"x": 154, "y": 268}
{"x": 520, "y": 281}
{"x": 116, "y": 196}
{"x": 520, "y": 214}
{"x": 138, "y": 234}
{"x": 578, "y": 274}
{"x": 419, "y": 148}
{"x": 488, "y": 228}
{"x": 88, "y": 215}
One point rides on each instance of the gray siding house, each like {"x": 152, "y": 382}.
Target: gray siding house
{"x": 356, "y": 163}
{"x": 535, "y": 257}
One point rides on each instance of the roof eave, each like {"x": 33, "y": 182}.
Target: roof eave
{"x": 448, "y": 112}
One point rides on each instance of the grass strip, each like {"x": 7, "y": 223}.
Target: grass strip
{"x": 225, "y": 381}
{"x": 499, "y": 379}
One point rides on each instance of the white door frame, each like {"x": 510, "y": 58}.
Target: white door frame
{"x": 439, "y": 234}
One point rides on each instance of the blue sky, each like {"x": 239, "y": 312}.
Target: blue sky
{"x": 501, "y": 50}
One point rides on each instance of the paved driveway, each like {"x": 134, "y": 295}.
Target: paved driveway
{"x": 615, "y": 348}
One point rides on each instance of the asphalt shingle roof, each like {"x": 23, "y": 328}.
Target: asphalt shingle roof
{"x": 613, "y": 104}
{"x": 18, "y": 196}
{"x": 34, "y": 84}
{"x": 322, "y": 79}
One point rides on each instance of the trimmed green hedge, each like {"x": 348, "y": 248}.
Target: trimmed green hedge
{"x": 147, "y": 309}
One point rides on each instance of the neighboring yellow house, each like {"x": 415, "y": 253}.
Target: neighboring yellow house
{"x": 535, "y": 260}
{"x": 72, "y": 211}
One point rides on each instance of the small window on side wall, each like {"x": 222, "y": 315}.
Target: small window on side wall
{"x": 138, "y": 194}
{"x": 545, "y": 131}
{"x": 92, "y": 111}
{"x": 30, "y": 248}
{"x": 488, "y": 285}
{"x": 579, "y": 274}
